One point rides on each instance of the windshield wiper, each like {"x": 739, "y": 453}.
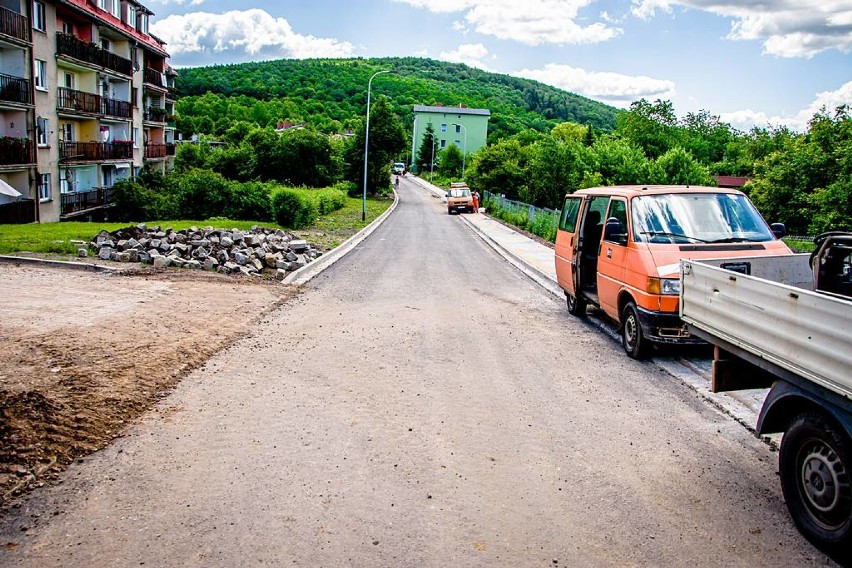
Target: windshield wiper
{"x": 678, "y": 235}
{"x": 732, "y": 240}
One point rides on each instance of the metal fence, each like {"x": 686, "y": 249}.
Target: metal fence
{"x": 519, "y": 208}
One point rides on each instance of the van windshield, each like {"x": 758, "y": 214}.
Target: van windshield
{"x": 697, "y": 218}
{"x": 459, "y": 192}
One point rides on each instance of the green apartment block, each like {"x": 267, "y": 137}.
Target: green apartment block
{"x": 465, "y": 127}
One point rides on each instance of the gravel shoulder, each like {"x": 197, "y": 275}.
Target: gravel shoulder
{"x": 84, "y": 354}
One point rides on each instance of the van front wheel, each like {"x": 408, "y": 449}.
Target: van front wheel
{"x": 634, "y": 342}
{"x": 576, "y": 306}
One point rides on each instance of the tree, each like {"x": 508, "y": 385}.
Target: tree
{"x": 451, "y": 161}
{"x": 569, "y": 131}
{"x": 619, "y": 162}
{"x": 499, "y": 168}
{"x": 679, "y": 167}
{"x": 554, "y": 169}
{"x": 650, "y": 126}
{"x": 387, "y": 139}
{"x": 425, "y": 154}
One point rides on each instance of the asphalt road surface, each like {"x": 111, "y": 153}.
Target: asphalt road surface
{"x": 421, "y": 403}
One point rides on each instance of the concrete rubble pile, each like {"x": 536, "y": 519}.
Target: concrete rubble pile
{"x": 226, "y": 251}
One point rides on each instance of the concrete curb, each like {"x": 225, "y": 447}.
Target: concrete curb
{"x": 66, "y": 264}
{"x": 315, "y": 268}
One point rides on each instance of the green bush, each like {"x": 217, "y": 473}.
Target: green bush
{"x": 329, "y": 200}
{"x": 544, "y": 226}
{"x": 294, "y": 208}
{"x": 250, "y": 201}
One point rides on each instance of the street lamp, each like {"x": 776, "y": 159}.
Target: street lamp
{"x": 367, "y": 144}
{"x": 464, "y": 150}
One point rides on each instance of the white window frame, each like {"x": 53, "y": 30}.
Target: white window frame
{"x": 43, "y": 137}
{"x": 45, "y": 192}
{"x": 102, "y": 4}
{"x": 40, "y": 75}
{"x": 67, "y": 28}
{"x": 443, "y": 128}
{"x": 143, "y": 23}
{"x": 131, "y": 17}
{"x": 39, "y": 16}
{"x": 135, "y": 137}
{"x": 115, "y": 9}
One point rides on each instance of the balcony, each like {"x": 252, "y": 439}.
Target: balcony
{"x": 69, "y": 99}
{"x": 95, "y": 151}
{"x": 155, "y": 114}
{"x": 15, "y": 89}
{"x": 78, "y": 202}
{"x": 16, "y": 151}
{"x": 154, "y": 77}
{"x": 18, "y": 212}
{"x": 14, "y": 24}
{"x": 153, "y": 151}
{"x": 70, "y": 46}
{"x": 171, "y": 149}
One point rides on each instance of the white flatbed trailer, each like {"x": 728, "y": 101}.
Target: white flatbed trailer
{"x": 763, "y": 310}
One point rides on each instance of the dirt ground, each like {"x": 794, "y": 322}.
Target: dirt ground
{"x": 84, "y": 354}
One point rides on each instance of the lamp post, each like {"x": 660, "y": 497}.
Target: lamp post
{"x": 464, "y": 150}
{"x": 367, "y": 144}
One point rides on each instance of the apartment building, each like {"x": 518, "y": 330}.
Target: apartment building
{"x": 86, "y": 99}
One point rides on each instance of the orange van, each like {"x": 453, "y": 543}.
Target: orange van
{"x": 619, "y": 248}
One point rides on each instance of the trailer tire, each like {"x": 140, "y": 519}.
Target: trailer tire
{"x": 632, "y": 338}
{"x": 576, "y": 306}
{"x": 816, "y": 478}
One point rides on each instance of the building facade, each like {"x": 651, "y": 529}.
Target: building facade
{"x": 86, "y": 99}
{"x": 465, "y": 127}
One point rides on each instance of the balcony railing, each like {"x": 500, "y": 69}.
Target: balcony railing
{"x": 15, "y": 89}
{"x": 71, "y": 46}
{"x": 79, "y": 201}
{"x": 18, "y": 212}
{"x": 94, "y": 151}
{"x": 155, "y": 114}
{"x": 170, "y": 149}
{"x": 15, "y": 151}
{"x": 14, "y": 24}
{"x": 154, "y": 77}
{"x": 155, "y": 150}
{"x": 69, "y": 99}
{"x": 113, "y": 107}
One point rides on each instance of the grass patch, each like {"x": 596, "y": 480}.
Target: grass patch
{"x": 799, "y": 244}
{"x": 55, "y": 239}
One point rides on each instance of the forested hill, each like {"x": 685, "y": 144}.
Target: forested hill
{"x": 329, "y": 93}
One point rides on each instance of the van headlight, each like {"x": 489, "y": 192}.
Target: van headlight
{"x": 664, "y": 286}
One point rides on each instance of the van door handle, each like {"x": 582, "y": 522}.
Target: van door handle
{"x": 609, "y": 253}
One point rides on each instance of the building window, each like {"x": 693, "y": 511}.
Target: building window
{"x": 143, "y": 23}
{"x": 131, "y": 16}
{"x": 43, "y": 132}
{"x": 44, "y": 191}
{"x": 105, "y": 44}
{"x": 443, "y": 128}
{"x": 102, "y": 4}
{"x": 67, "y": 132}
{"x": 457, "y": 143}
{"x": 39, "y": 20}
{"x": 458, "y": 128}
{"x": 67, "y": 28}
{"x": 115, "y": 9}
{"x": 41, "y": 74}
{"x": 443, "y": 143}
{"x": 135, "y": 137}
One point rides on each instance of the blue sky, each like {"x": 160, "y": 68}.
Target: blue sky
{"x": 752, "y": 62}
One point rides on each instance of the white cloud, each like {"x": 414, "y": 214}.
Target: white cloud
{"x": 612, "y": 88}
{"x": 532, "y": 22}
{"x": 250, "y": 31}
{"x": 829, "y": 100}
{"x": 788, "y": 28}
{"x": 471, "y": 54}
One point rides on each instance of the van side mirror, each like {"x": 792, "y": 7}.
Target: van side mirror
{"x": 613, "y": 231}
{"x": 778, "y": 229}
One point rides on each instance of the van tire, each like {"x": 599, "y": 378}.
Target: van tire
{"x": 815, "y": 463}
{"x": 576, "y": 306}
{"x": 632, "y": 338}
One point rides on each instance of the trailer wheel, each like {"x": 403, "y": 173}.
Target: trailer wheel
{"x": 576, "y": 306}
{"x": 816, "y": 478}
{"x": 634, "y": 342}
